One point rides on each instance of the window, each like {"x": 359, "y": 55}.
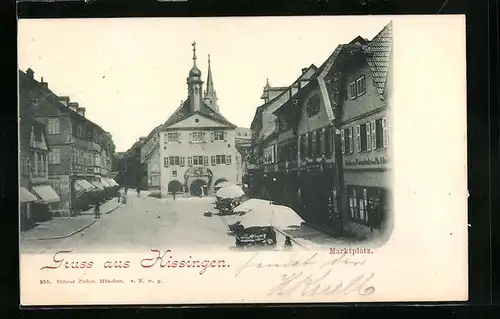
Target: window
{"x": 321, "y": 142}
{"x": 53, "y": 126}
{"x": 368, "y": 136}
{"x": 352, "y": 90}
{"x": 197, "y": 160}
{"x": 313, "y": 105}
{"x": 228, "y": 159}
{"x": 351, "y": 142}
{"x": 342, "y": 141}
{"x": 173, "y": 137}
{"x": 220, "y": 159}
{"x": 385, "y": 132}
{"x": 205, "y": 160}
{"x": 197, "y": 136}
{"x": 212, "y": 159}
{"x": 380, "y": 134}
{"x": 54, "y": 156}
{"x": 358, "y": 138}
{"x": 310, "y": 146}
{"x": 190, "y": 161}
{"x": 43, "y": 160}
{"x": 317, "y": 143}
{"x": 368, "y": 205}
{"x": 313, "y": 143}
{"x": 302, "y": 146}
{"x": 360, "y": 86}
{"x": 282, "y": 123}
{"x": 165, "y": 161}
{"x": 218, "y": 135}
{"x": 182, "y": 160}
{"x": 174, "y": 160}
{"x": 353, "y": 202}
{"x": 328, "y": 141}
{"x": 174, "y": 173}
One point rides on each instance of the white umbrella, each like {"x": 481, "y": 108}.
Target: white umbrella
{"x": 222, "y": 184}
{"x": 277, "y": 216}
{"x": 231, "y": 191}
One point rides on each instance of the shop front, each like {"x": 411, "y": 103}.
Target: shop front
{"x": 318, "y": 194}
{"x": 40, "y": 209}
{"x": 26, "y": 198}
{"x": 368, "y": 201}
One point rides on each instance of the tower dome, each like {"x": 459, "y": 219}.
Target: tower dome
{"x": 195, "y": 72}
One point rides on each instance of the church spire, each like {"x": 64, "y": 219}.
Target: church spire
{"x": 210, "y": 94}
{"x": 194, "y": 83}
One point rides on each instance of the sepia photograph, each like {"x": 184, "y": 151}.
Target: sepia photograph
{"x": 156, "y": 136}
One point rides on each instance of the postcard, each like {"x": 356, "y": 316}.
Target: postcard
{"x": 173, "y": 161}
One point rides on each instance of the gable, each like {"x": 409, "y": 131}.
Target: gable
{"x": 184, "y": 111}
{"x": 203, "y": 121}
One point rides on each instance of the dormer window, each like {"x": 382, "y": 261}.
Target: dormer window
{"x": 357, "y": 87}
{"x": 313, "y": 105}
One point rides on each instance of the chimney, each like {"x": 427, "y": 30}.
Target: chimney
{"x": 73, "y": 106}
{"x": 143, "y": 139}
{"x": 30, "y": 73}
{"x": 81, "y": 110}
{"x": 44, "y": 84}
{"x": 304, "y": 70}
{"x": 64, "y": 100}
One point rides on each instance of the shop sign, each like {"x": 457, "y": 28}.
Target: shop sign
{"x": 367, "y": 161}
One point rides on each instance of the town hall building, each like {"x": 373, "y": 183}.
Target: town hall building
{"x": 197, "y": 144}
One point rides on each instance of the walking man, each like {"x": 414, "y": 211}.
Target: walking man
{"x": 138, "y": 191}
{"x": 97, "y": 210}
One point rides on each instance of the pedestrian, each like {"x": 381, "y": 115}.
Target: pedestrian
{"x": 138, "y": 191}
{"x": 288, "y": 243}
{"x": 173, "y": 193}
{"x": 97, "y": 210}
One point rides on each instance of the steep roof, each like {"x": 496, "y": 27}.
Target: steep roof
{"x": 378, "y": 61}
{"x": 261, "y": 108}
{"x": 184, "y": 111}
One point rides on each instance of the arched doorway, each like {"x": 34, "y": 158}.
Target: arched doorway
{"x": 220, "y": 180}
{"x": 194, "y": 188}
{"x": 174, "y": 186}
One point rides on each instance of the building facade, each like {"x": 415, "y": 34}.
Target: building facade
{"x": 270, "y": 136}
{"x": 80, "y": 154}
{"x": 197, "y": 145}
{"x": 36, "y": 195}
{"x": 364, "y": 126}
{"x": 336, "y": 129}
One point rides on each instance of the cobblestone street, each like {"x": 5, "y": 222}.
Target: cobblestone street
{"x": 146, "y": 223}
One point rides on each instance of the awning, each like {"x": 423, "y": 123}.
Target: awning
{"x": 25, "y": 196}
{"x": 105, "y": 183}
{"x": 46, "y": 194}
{"x": 113, "y": 182}
{"x": 98, "y": 184}
{"x": 83, "y": 185}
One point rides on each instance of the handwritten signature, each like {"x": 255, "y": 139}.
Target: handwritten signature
{"x": 310, "y": 285}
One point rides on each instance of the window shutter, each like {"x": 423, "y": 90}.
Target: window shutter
{"x": 374, "y": 135}
{"x": 358, "y": 138}
{"x": 351, "y": 146}
{"x": 178, "y": 136}
{"x": 225, "y": 136}
{"x": 190, "y": 161}
{"x": 228, "y": 159}
{"x": 385, "y": 131}
{"x": 205, "y": 160}
{"x": 368, "y": 137}
{"x": 165, "y": 161}
{"x": 212, "y": 158}
{"x": 342, "y": 141}
{"x": 190, "y": 137}
{"x": 211, "y": 136}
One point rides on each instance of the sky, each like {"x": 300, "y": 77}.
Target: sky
{"x": 130, "y": 74}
